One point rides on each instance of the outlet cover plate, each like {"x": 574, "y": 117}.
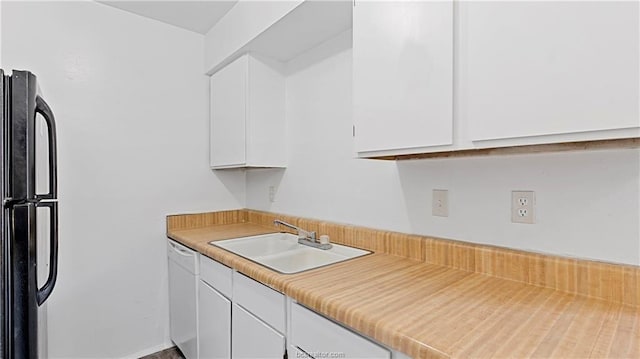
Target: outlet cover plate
{"x": 523, "y": 207}
{"x": 272, "y": 194}
{"x": 440, "y": 203}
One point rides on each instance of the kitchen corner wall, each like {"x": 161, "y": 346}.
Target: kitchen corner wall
{"x": 587, "y": 202}
{"x": 131, "y": 103}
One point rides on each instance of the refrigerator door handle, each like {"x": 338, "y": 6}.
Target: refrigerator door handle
{"x": 44, "y": 109}
{"x": 44, "y": 292}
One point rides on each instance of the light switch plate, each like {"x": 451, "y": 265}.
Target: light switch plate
{"x": 440, "y": 203}
{"x": 523, "y": 207}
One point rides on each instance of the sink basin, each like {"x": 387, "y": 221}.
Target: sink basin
{"x": 282, "y": 252}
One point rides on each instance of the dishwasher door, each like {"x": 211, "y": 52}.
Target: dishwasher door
{"x": 183, "y": 309}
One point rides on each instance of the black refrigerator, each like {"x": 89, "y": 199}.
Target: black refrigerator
{"x": 21, "y": 146}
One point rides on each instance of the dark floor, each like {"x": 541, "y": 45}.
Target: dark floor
{"x": 171, "y": 353}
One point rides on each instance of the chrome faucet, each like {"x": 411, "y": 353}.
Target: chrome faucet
{"x": 302, "y": 234}
{"x": 304, "y": 237}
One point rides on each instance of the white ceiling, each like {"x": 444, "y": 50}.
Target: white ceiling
{"x": 198, "y": 16}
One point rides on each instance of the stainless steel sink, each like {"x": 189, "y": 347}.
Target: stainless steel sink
{"x": 282, "y": 252}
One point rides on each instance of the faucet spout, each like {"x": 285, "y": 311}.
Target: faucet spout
{"x": 302, "y": 234}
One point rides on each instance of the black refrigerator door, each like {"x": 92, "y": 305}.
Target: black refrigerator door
{"x": 19, "y": 248}
{"x": 21, "y": 136}
{"x": 25, "y": 294}
{"x": 4, "y": 259}
{"x": 25, "y": 105}
{"x": 24, "y": 304}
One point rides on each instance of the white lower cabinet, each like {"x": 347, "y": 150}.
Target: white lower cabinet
{"x": 259, "y": 319}
{"x": 214, "y": 325}
{"x": 253, "y": 338}
{"x": 241, "y": 318}
{"x": 214, "y": 315}
{"x": 318, "y": 337}
{"x": 295, "y": 352}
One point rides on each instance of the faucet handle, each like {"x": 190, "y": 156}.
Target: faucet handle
{"x": 324, "y": 239}
{"x": 302, "y": 234}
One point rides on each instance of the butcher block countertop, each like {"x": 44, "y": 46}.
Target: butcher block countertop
{"x": 428, "y": 310}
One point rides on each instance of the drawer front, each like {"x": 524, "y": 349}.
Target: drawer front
{"x": 320, "y": 337}
{"x": 262, "y": 301}
{"x": 183, "y": 256}
{"x": 217, "y": 275}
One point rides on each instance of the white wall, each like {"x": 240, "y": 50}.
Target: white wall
{"x": 131, "y": 103}
{"x": 587, "y": 202}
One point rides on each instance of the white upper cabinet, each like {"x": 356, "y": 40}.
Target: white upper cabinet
{"x": 402, "y": 75}
{"x": 247, "y": 115}
{"x": 549, "y": 68}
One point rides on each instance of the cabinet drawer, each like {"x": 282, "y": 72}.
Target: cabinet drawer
{"x": 320, "y": 337}
{"x": 262, "y": 301}
{"x": 217, "y": 275}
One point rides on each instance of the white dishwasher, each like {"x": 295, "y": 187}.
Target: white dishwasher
{"x": 183, "y": 287}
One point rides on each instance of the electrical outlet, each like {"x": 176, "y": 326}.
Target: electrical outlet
{"x": 440, "y": 203}
{"x": 272, "y": 194}
{"x": 523, "y": 207}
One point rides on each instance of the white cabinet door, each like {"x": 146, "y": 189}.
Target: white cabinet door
{"x": 318, "y": 337}
{"x": 248, "y": 115}
{"x": 402, "y": 74}
{"x": 266, "y": 124}
{"x": 228, "y": 114}
{"x": 548, "y": 67}
{"x": 252, "y": 338}
{"x": 214, "y": 324}
{"x": 183, "y": 310}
